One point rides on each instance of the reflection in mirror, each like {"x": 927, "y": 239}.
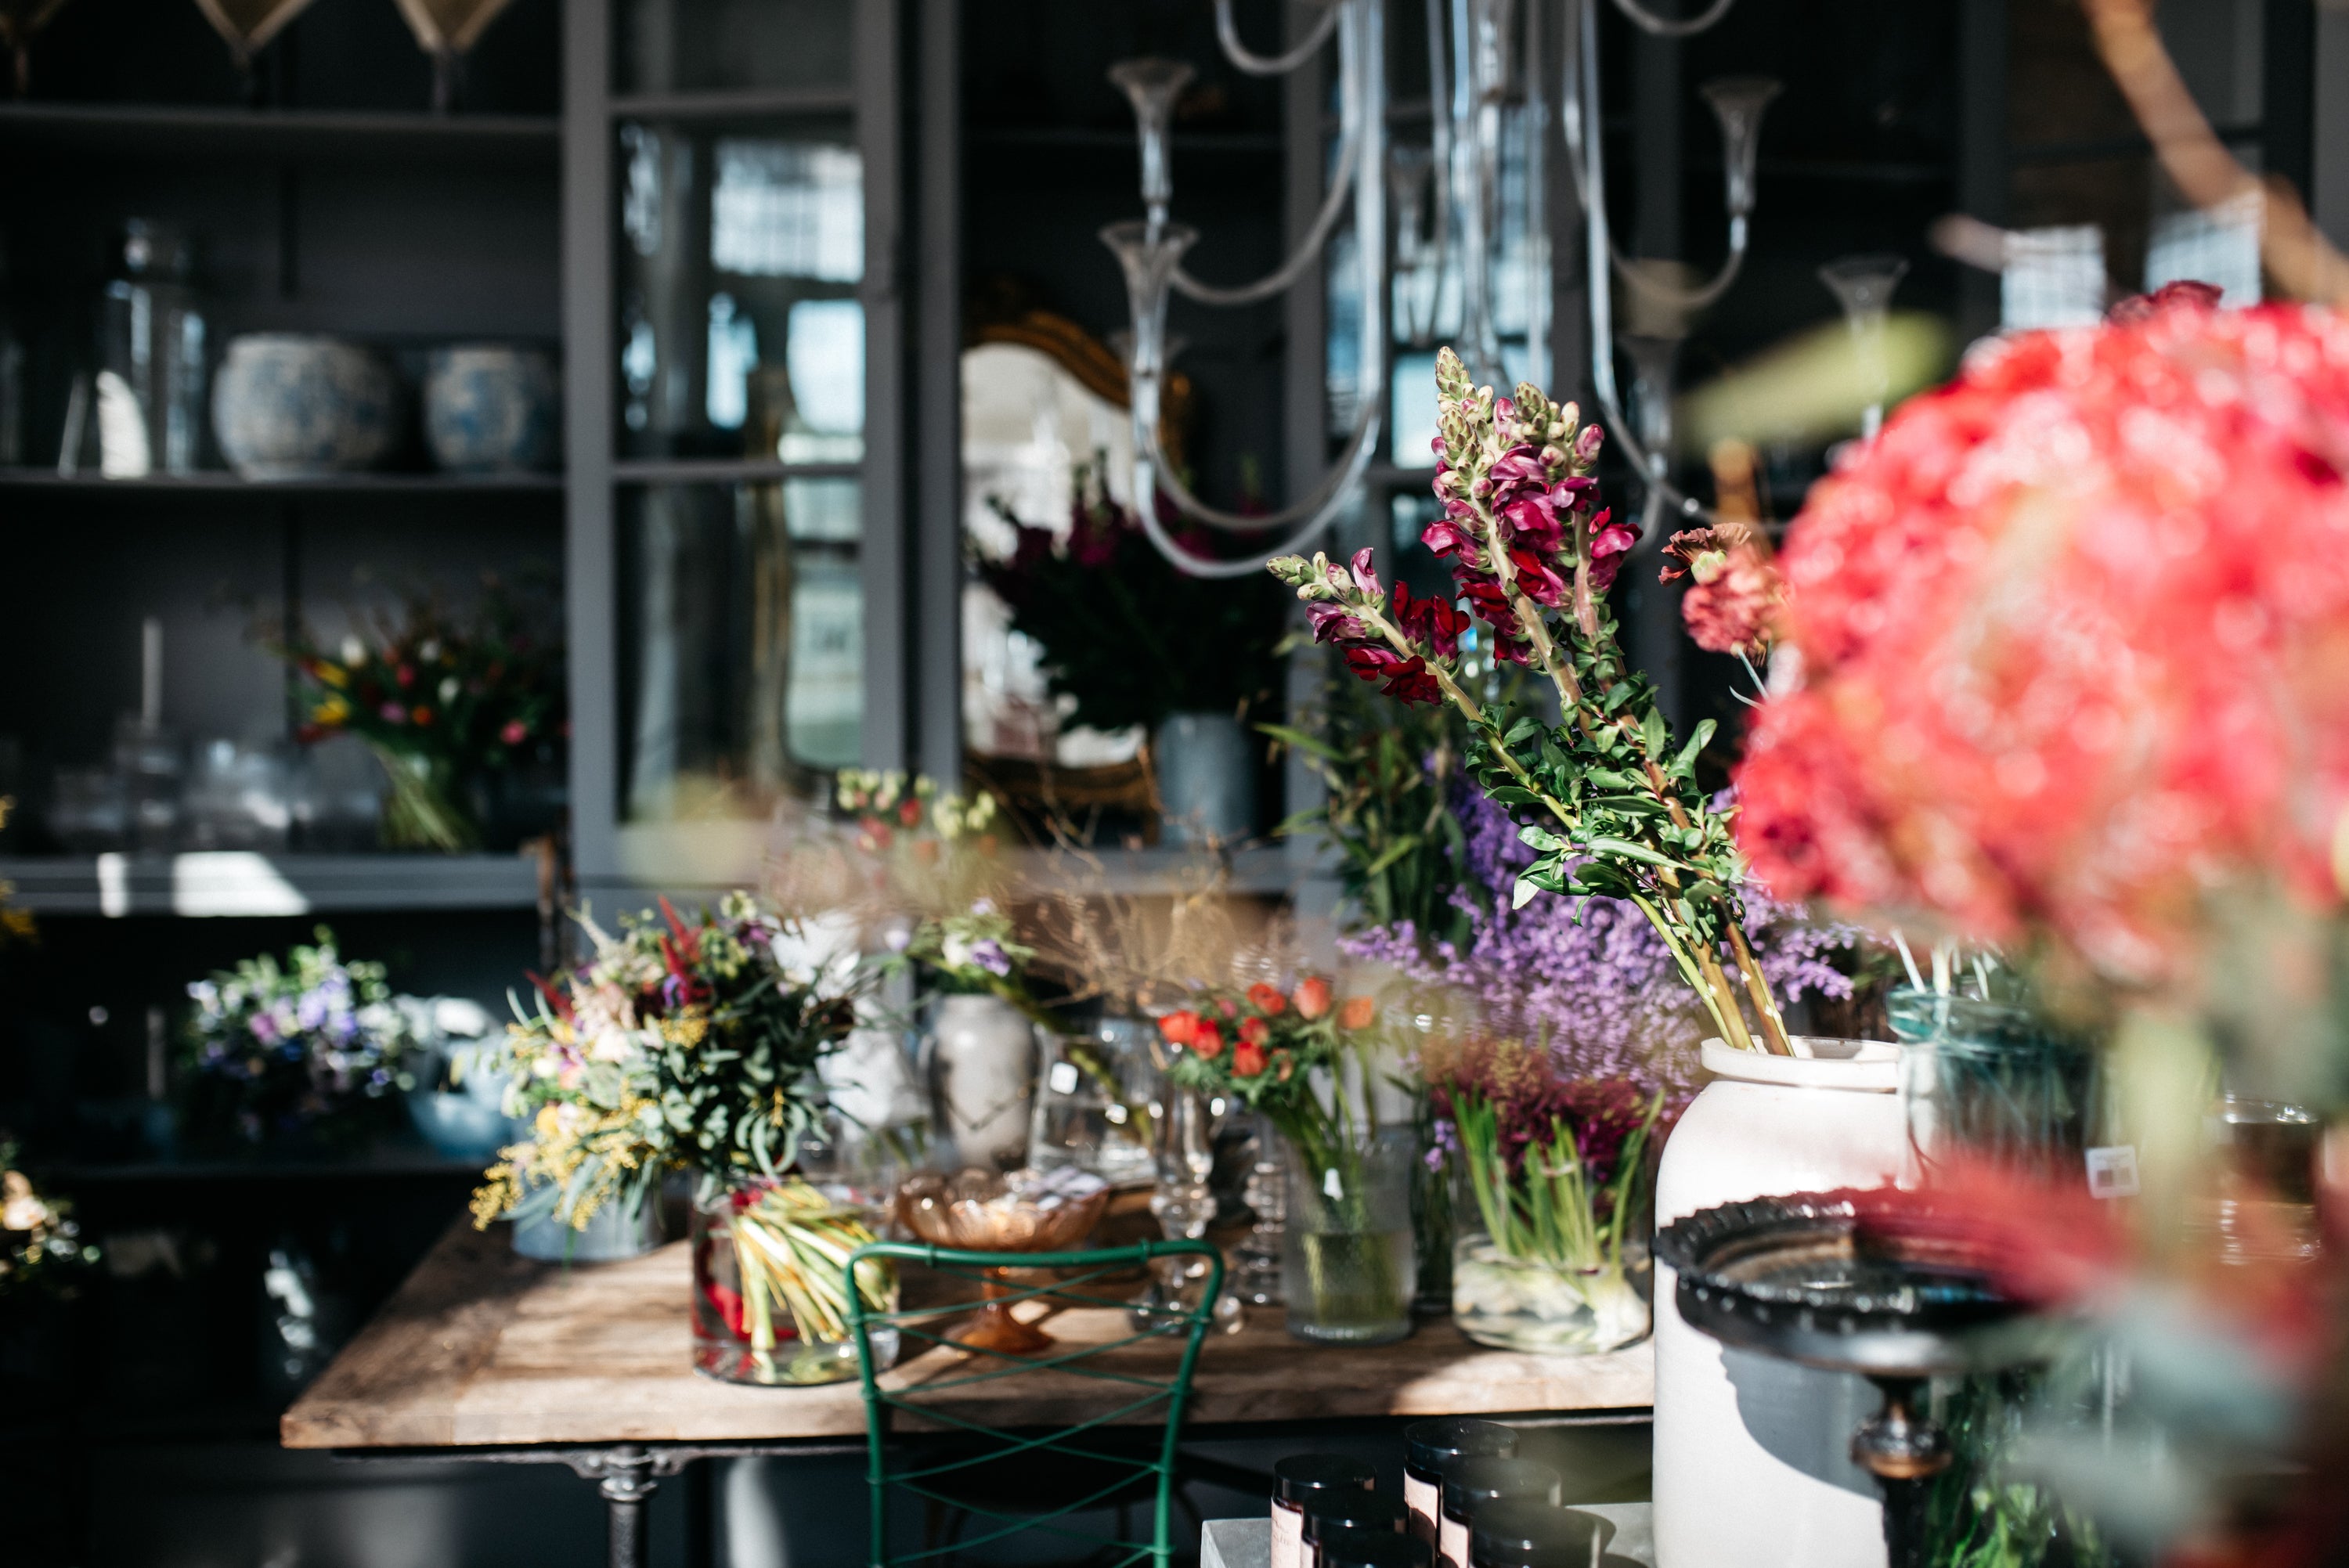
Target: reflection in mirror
{"x": 1029, "y": 420}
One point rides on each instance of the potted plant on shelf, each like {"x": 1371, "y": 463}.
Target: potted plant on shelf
{"x": 304, "y": 1053}
{"x": 696, "y": 1044}
{"x": 1130, "y": 641}
{"x": 457, "y": 709}
{"x": 1286, "y": 1055}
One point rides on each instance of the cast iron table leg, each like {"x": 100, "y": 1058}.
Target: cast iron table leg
{"x": 623, "y": 1476}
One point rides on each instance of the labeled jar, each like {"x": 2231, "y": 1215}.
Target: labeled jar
{"x": 1516, "y": 1533}
{"x": 1427, "y": 1445}
{"x": 1296, "y": 1482}
{"x": 1329, "y": 1513}
{"x": 1374, "y": 1549}
{"x": 1474, "y": 1480}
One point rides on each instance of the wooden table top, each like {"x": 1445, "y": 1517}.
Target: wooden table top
{"x": 483, "y": 1348}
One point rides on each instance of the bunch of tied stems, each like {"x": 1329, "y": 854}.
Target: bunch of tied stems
{"x": 1549, "y": 1211}
{"x": 791, "y": 1245}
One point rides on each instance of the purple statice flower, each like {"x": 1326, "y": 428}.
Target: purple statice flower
{"x": 311, "y": 1012}
{"x": 988, "y": 955}
{"x": 1588, "y": 976}
{"x": 263, "y": 1027}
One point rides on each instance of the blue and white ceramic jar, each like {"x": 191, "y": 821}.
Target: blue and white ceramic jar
{"x": 288, "y": 406}
{"x": 489, "y": 408}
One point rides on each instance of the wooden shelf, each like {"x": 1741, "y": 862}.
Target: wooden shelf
{"x": 746, "y": 103}
{"x": 302, "y": 136}
{"x": 725, "y": 470}
{"x": 242, "y": 883}
{"x": 213, "y": 482}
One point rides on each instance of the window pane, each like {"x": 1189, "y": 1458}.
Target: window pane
{"x": 740, "y": 252}
{"x": 742, "y": 613}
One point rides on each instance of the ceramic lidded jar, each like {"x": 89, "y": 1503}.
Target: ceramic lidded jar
{"x": 491, "y": 408}
{"x": 1753, "y": 1466}
{"x": 290, "y": 405}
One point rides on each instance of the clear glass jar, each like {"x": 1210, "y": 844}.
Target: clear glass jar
{"x": 151, "y": 359}
{"x": 769, "y": 1295}
{"x": 1544, "y": 1307}
{"x": 1346, "y": 1256}
{"x": 1989, "y": 1079}
{"x": 1094, "y": 1106}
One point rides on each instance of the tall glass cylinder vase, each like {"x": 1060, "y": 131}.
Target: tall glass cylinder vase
{"x": 1990, "y": 1081}
{"x": 770, "y": 1283}
{"x": 1346, "y": 1264}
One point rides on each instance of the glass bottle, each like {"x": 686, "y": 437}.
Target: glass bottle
{"x": 151, "y": 351}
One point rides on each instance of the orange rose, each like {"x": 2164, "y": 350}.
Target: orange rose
{"x": 1247, "y": 1059}
{"x": 1357, "y": 1013}
{"x": 1283, "y": 1065}
{"x": 1254, "y": 1030}
{"x": 1266, "y": 999}
{"x": 1312, "y": 997}
{"x": 1208, "y": 1043}
{"x": 1180, "y": 1028}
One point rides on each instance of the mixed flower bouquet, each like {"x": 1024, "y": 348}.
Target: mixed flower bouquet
{"x": 2066, "y": 656}
{"x": 1127, "y": 638}
{"x": 1554, "y": 1167}
{"x": 1261, "y": 1046}
{"x": 445, "y": 701}
{"x": 695, "y": 1043}
{"x": 308, "y": 1047}
{"x": 41, "y": 1249}
{"x": 1616, "y": 806}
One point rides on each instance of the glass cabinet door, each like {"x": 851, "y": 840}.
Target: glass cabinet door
{"x": 737, "y": 512}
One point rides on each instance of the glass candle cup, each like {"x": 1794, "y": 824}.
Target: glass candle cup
{"x": 1373, "y": 1549}
{"x": 1519, "y": 1534}
{"x": 1328, "y": 1512}
{"x": 1472, "y": 1481}
{"x": 1297, "y": 1481}
{"x": 1427, "y": 1445}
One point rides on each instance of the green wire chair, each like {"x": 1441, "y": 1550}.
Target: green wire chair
{"x": 976, "y": 1465}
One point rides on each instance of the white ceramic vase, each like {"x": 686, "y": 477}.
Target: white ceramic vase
{"x": 984, "y": 1066}
{"x": 1753, "y": 1468}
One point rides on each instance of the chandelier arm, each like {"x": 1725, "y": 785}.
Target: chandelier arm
{"x": 1342, "y": 188}
{"x": 1536, "y": 274}
{"x": 1228, "y": 34}
{"x": 1670, "y": 26}
{"x": 1673, "y": 294}
{"x": 1313, "y": 515}
{"x": 1439, "y": 146}
{"x": 1601, "y": 247}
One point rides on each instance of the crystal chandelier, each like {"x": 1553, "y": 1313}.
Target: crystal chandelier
{"x": 1477, "y": 50}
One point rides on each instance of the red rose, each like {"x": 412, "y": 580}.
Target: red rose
{"x": 909, "y": 812}
{"x": 1254, "y": 1030}
{"x": 1357, "y": 1013}
{"x": 1312, "y": 998}
{"x": 1208, "y": 1043}
{"x": 1247, "y": 1059}
{"x": 1180, "y": 1028}
{"x": 1229, "y": 1009}
{"x": 1266, "y": 999}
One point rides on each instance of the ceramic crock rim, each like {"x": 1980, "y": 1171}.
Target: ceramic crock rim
{"x": 1875, "y": 1070}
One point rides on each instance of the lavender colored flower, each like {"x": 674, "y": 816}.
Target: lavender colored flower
{"x": 988, "y": 955}
{"x": 1588, "y": 976}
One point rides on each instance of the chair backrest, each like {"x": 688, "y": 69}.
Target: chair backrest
{"x": 1065, "y": 1408}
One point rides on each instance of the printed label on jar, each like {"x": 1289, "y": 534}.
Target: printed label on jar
{"x": 1422, "y": 1498}
{"x": 1451, "y": 1544}
{"x": 1288, "y": 1536}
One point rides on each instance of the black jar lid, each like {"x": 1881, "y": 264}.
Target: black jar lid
{"x": 1516, "y": 1533}
{"x": 1475, "y": 1480}
{"x": 1300, "y": 1476}
{"x": 1427, "y": 1444}
{"x": 1328, "y": 1512}
{"x": 1374, "y": 1549}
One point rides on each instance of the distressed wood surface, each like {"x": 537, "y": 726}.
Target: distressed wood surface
{"x": 482, "y": 1348}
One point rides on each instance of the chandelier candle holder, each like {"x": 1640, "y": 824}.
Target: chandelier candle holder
{"x": 1150, "y": 252}
{"x": 1738, "y": 104}
{"x": 1863, "y": 285}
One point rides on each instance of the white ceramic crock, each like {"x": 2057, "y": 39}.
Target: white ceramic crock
{"x": 1751, "y": 1466}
